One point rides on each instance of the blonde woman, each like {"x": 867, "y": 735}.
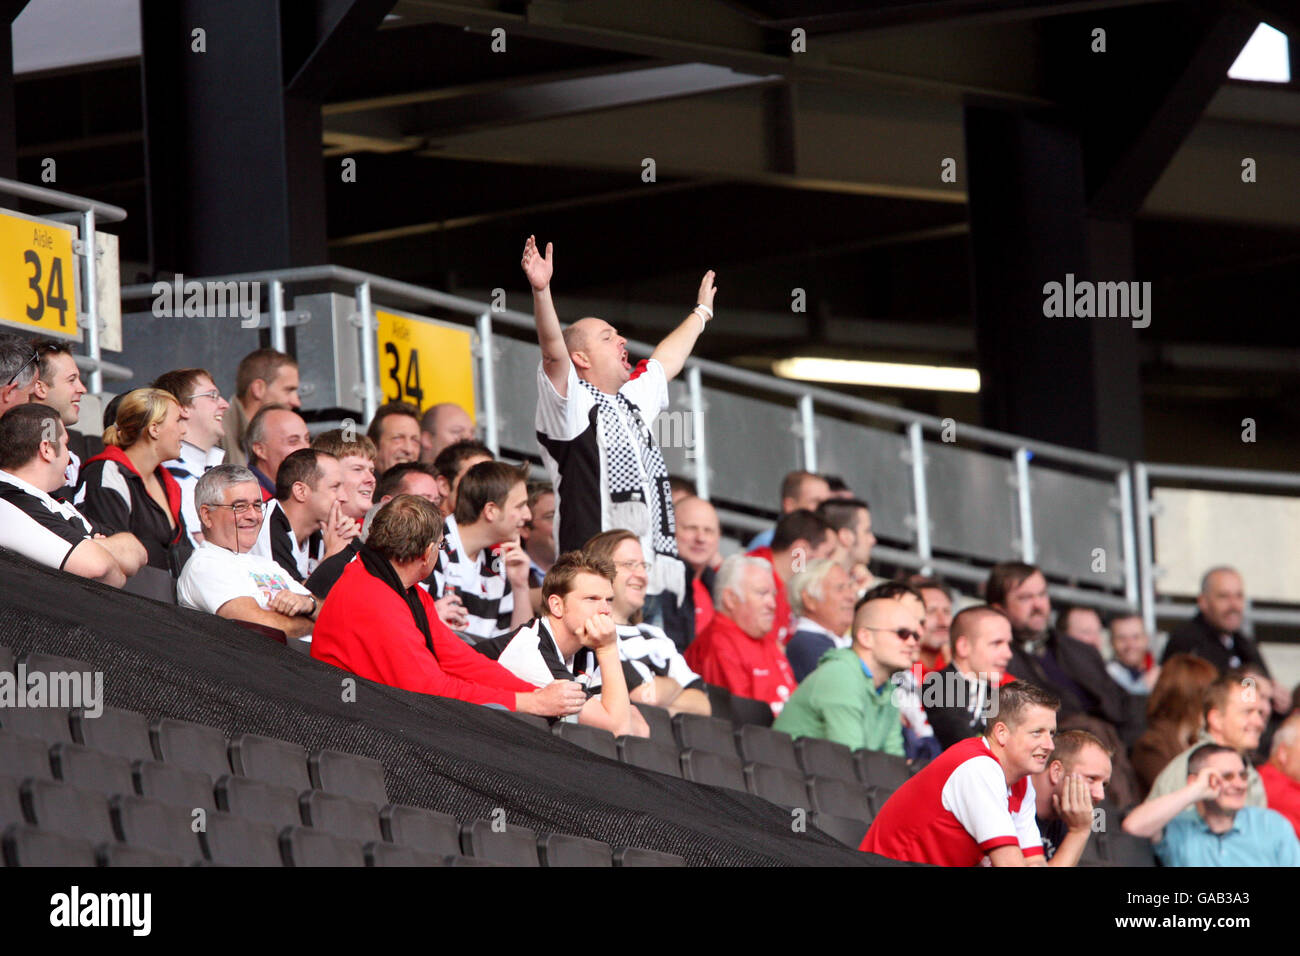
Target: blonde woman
{"x": 126, "y": 486}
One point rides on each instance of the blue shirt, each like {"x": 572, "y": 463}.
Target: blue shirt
{"x": 1258, "y": 837}
{"x": 761, "y": 540}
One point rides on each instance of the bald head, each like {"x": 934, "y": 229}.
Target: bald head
{"x": 444, "y": 424}
{"x": 1223, "y": 599}
{"x": 598, "y": 353}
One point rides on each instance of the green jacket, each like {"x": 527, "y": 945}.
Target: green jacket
{"x": 839, "y": 702}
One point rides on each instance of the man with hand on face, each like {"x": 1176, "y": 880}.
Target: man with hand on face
{"x": 356, "y": 458}
{"x": 1072, "y": 784}
{"x": 1223, "y": 830}
{"x": 302, "y": 527}
{"x": 975, "y": 801}
{"x": 573, "y": 638}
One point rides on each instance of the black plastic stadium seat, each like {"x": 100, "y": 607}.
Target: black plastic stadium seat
{"x": 591, "y": 739}
{"x": 36, "y": 661}
{"x": 303, "y": 846}
{"x": 390, "y": 854}
{"x": 49, "y": 724}
{"x": 696, "y": 732}
{"x": 535, "y": 720}
{"x": 825, "y": 758}
{"x": 427, "y": 831}
{"x": 845, "y": 829}
{"x": 459, "y": 860}
{"x": 32, "y": 846}
{"x": 22, "y": 757}
{"x": 1124, "y": 849}
{"x": 90, "y": 769}
{"x": 660, "y": 722}
{"x": 767, "y": 746}
{"x": 168, "y": 783}
{"x": 886, "y": 771}
{"x": 635, "y": 856}
{"x": 11, "y": 801}
{"x": 115, "y": 731}
{"x": 191, "y": 746}
{"x": 560, "y": 849}
{"x": 776, "y": 784}
{"x": 270, "y": 760}
{"x": 6, "y": 660}
{"x": 342, "y": 816}
{"x": 361, "y": 778}
{"x": 234, "y": 841}
{"x": 716, "y": 770}
{"x": 121, "y": 854}
{"x": 841, "y": 798}
{"x": 157, "y": 826}
{"x": 511, "y": 846}
{"x": 255, "y": 800}
{"x": 746, "y": 710}
{"x": 645, "y": 753}
{"x": 63, "y": 809}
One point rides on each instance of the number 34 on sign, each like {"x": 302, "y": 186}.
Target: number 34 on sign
{"x": 424, "y": 362}
{"x": 39, "y": 287}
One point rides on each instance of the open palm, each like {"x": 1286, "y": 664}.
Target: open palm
{"x": 536, "y": 267}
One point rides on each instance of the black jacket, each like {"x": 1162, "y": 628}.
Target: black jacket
{"x": 110, "y": 492}
{"x": 1199, "y": 638}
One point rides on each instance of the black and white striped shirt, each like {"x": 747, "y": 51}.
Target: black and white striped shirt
{"x": 39, "y": 527}
{"x": 481, "y": 584}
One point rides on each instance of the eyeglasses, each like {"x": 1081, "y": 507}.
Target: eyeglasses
{"x": 241, "y": 507}
{"x": 1241, "y": 775}
{"x": 214, "y": 394}
{"x": 36, "y": 357}
{"x": 641, "y": 566}
{"x": 903, "y": 633}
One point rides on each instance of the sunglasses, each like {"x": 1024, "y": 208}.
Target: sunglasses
{"x": 36, "y": 357}
{"x": 903, "y": 633}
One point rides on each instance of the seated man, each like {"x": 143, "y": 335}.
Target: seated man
{"x": 395, "y": 430}
{"x": 444, "y": 424}
{"x": 698, "y": 536}
{"x": 356, "y": 457}
{"x": 821, "y": 599}
{"x": 1134, "y": 668}
{"x": 938, "y": 622}
{"x": 959, "y": 699}
{"x": 205, "y": 412}
{"x": 1281, "y": 775}
{"x": 485, "y": 564}
{"x": 1074, "y": 782}
{"x": 800, "y": 536}
{"x": 799, "y": 489}
{"x": 451, "y": 465}
{"x": 380, "y": 625}
{"x": 33, "y": 463}
{"x": 222, "y": 577}
{"x": 305, "y": 523}
{"x": 976, "y": 799}
{"x": 850, "y": 520}
{"x": 58, "y": 384}
{"x": 1236, "y": 712}
{"x": 573, "y": 639}
{"x": 1081, "y": 623}
{"x": 274, "y": 434}
{"x": 1206, "y": 821}
{"x": 849, "y": 698}
{"x": 738, "y": 649}
{"x": 538, "y": 537}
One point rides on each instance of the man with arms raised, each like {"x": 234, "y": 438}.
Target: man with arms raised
{"x": 204, "y": 410}
{"x": 1072, "y": 784}
{"x": 976, "y": 799}
{"x": 594, "y": 415}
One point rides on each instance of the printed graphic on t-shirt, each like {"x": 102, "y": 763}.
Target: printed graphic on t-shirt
{"x": 268, "y": 585}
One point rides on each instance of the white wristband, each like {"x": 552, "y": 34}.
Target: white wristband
{"x": 707, "y": 311}
{"x": 703, "y": 321}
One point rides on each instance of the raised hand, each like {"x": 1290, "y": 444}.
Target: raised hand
{"x": 536, "y": 268}
{"x": 707, "y": 289}
{"x": 1074, "y": 803}
{"x": 517, "y": 563}
{"x": 451, "y": 609}
{"x": 598, "y": 631}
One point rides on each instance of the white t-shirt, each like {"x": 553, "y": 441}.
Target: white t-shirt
{"x": 214, "y": 575}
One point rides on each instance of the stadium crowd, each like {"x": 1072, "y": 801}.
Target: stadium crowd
{"x": 409, "y": 555}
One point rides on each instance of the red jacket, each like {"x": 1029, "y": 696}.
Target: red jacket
{"x": 783, "y": 623}
{"x": 365, "y": 627}
{"x": 703, "y": 606}
{"x": 748, "y": 666}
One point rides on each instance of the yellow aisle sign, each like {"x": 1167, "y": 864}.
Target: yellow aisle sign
{"x": 425, "y": 362}
{"x": 39, "y": 278}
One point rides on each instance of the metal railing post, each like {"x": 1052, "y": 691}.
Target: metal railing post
{"x": 1026, "y": 506}
{"x": 276, "y": 296}
{"x": 487, "y": 375}
{"x": 92, "y": 299}
{"x": 920, "y": 493}
{"x": 1142, "y": 493}
{"x": 696, "y": 389}
{"x": 809, "y": 433}
{"x": 1125, "y": 482}
{"x": 369, "y": 362}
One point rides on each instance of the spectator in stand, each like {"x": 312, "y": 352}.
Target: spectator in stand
{"x": 594, "y": 419}
{"x": 938, "y": 623}
{"x": 801, "y": 536}
{"x": 698, "y": 537}
{"x": 395, "y": 430}
{"x": 264, "y": 377}
{"x": 19, "y": 368}
{"x": 380, "y": 625}
{"x": 1208, "y": 820}
{"x": 1175, "y": 715}
{"x": 486, "y": 565}
{"x": 204, "y": 409}
{"x": 1072, "y": 670}
{"x": 33, "y": 463}
{"x": 821, "y": 599}
{"x": 444, "y": 424}
{"x": 538, "y": 537}
{"x": 1133, "y": 667}
{"x": 800, "y": 491}
{"x": 1074, "y": 782}
{"x": 223, "y": 577}
{"x": 126, "y": 486}
{"x": 452, "y": 463}
{"x": 838, "y": 487}
{"x": 961, "y": 698}
{"x": 1081, "y": 623}
{"x": 58, "y": 384}
{"x": 274, "y": 434}
{"x": 850, "y": 519}
{"x": 975, "y": 800}
{"x": 655, "y": 670}
{"x": 738, "y": 649}
{"x": 306, "y": 524}
{"x": 409, "y": 478}
{"x": 356, "y": 456}
{"x": 1215, "y": 632}
{"x": 681, "y": 488}
{"x": 576, "y": 636}
{"x": 1281, "y": 775}
{"x": 849, "y": 697}
{"x": 1236, "y": 710}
